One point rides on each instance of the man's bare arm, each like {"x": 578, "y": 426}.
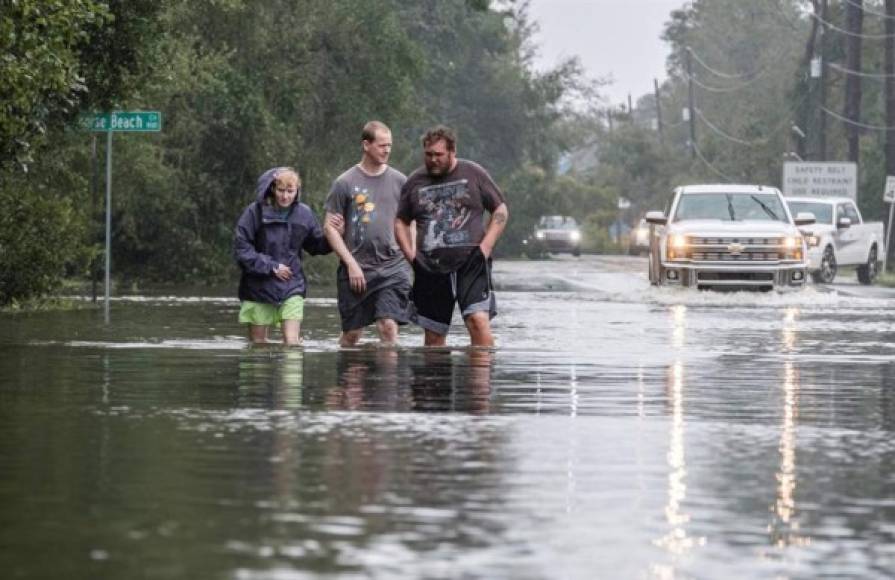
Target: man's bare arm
{"x": 337, "y": 243}
{"x": 495, "y": 229}
{"x": 404, "y": 235}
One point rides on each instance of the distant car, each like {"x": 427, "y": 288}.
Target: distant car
{"x": 639, "y": 238}
{"x": 555, "y": 234}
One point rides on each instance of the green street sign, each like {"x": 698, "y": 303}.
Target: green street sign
{"x": 118, "y": 121}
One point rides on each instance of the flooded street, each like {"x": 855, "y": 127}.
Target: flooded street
{"x": 618, "y": 431}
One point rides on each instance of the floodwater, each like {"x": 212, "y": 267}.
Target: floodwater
{"x": 618, "y": 431}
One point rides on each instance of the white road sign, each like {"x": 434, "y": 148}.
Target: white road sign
{"x": 818, "y": 179}
{"x": 889, "y": 193}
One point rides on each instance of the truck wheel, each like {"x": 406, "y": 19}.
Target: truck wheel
{"x": 827, "y": 272}
{"x": 868, "y": 272}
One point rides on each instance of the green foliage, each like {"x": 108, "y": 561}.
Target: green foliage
{"x": 41, "y": 240}
{"x": 39, "y": 72}
{"x": 244, "y": 86}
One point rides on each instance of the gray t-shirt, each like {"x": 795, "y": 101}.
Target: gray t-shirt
{"x": 368, "y": 204}
{"x": 449, "y": 211}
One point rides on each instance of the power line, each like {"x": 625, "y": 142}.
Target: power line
{"x": 786, "y": 121}
{"x": 858, "y": 73}
{"x": 856, "y": 123}
{"x": 849, "y": 32}
{"x": 869, "y": 11}
{"x": 714, "y": 89}
{"x": 708, "y": 163}
{"x": 716, "y": 72}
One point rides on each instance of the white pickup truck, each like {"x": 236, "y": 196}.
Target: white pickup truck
{"x": 839, "y": 238}
{"x": 728, "y": 236}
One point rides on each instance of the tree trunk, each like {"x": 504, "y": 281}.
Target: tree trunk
{"x": 890, "y": 86}
{"x": 854, "y": 23}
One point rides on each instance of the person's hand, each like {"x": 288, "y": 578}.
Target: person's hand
{"x": 356, "y": 279}
{"x": 283, "y": 272}
{"x": 336, "y": 222}
{"x": 486, "y": 250}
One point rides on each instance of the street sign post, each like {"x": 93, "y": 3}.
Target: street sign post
{"x": 888, "y": 197}
{"x": 108, "y": 123}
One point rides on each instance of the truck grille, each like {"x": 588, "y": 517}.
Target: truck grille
{"x": 729, "y": 249}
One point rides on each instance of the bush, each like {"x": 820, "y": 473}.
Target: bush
{"x": 41, "y": 239}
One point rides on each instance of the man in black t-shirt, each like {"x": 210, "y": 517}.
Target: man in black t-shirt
{"x": 448, "y": 198}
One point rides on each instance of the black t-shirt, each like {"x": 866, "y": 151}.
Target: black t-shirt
{"x": 450, "y": 213}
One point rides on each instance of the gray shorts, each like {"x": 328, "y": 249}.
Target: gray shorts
{"x": 391, "y": 301}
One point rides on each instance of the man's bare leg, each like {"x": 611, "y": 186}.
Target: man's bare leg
{"x": 292, "y": 332}
{"x": 434, "y": 339}
{"x": 388, "y": 331}
{"x": 350, "y": 337}
{"x": 479, "y": 326}
{"x": 258, "y": 334}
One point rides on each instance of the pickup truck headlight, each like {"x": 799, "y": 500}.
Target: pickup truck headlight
{"x": 677, "y": 247}
{"x": 540, "y": 235}
{"x": 575, "y": 236}
{"x": 792, "y": 247}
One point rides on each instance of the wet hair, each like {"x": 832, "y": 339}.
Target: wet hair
{"x": 441, "y": 133}
{"x": 282, "y": 172}
{"x": 369, "y": 132}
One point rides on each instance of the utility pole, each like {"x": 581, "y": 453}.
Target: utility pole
{"x": 690, "y": 104}
{"x": 889, "y": 70}
{"x": 854, "y": 22}
{"x": 630, "y": 109}
{"x": 822, "y": 97}
{"x": 609, "y": 118}
{"x": 659, "y": 110}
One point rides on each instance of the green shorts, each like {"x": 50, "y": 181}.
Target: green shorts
{"x": 258, "y": 314}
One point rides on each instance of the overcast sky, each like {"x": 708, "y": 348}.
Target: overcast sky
{"x": 617, "y": 38}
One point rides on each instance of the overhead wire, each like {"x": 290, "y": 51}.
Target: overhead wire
{"x": 858, "y": 73}
{"x": 722, "y": 74}
{"x": 731, "y": 89}
{"x": 869, "y": 11}
{"x": 753, "y": 142}
{"x": 709, "y": 164}
{"x": 849, "y": 32}
{"x": 855, "y": 123}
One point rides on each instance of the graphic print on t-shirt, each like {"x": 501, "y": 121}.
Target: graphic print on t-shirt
{"x": 447, "y": 205}
{"x": 361, "y": 215}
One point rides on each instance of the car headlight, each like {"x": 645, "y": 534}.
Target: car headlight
{"x": 792, "y": 242}
{"x": 813, "y": 241}
{"x": 792, "y": 247}
{"x": 575, "y": 236}
{"x": 539, "y": 235}
{"x": 677, "y": 247}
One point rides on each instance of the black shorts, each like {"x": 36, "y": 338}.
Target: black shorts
{"x": 434, "y": 293}
{"x": 392, "y": 301}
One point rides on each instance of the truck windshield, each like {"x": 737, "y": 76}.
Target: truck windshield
{"x": 823, "y": 212}
{"x": 730, "y": 207}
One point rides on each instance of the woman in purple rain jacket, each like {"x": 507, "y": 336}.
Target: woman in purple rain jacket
{"x": 270, "y": 236}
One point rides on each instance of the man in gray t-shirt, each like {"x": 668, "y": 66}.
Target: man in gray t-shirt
{"x": 373, "y": 280}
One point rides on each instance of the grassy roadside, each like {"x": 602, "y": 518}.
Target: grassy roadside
{"x": 887, "y": 279}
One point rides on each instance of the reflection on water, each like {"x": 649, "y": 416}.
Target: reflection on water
{"x": 655, "y": 436}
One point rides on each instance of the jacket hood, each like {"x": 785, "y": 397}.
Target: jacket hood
{"x": 266, "y": 179}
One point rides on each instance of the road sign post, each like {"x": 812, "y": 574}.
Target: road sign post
{"x": 888, "y": 197}
{"x": 112, "y": 122}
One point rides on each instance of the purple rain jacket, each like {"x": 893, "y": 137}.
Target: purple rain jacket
{"x": 265, "y": 238}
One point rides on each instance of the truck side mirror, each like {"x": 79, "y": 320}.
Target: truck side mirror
{"x": 656, "y": 218}
{"x": 805, "y": 218}
{"x": 844, "y": 223}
